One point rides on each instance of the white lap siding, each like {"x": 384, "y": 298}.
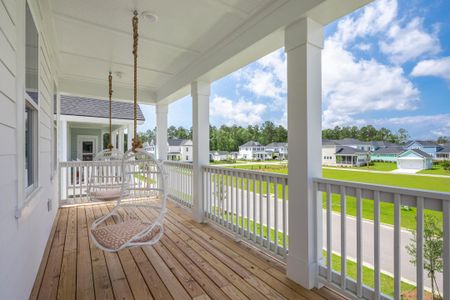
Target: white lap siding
{"x": 25, "y": 223}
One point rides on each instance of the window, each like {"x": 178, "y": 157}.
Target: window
{"x": 187, "y": 149}
{"x": 31, "y": 105}
{"x": 30, "y": 147}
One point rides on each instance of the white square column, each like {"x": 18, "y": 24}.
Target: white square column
{"x": 114, "y": 139}
{"x": 162, "y": 111}
{"x": 121, "y": 139}
{"x": 130, "y": 132}
{"x": 303, "y": 45}
{"x": 200, "y": 92}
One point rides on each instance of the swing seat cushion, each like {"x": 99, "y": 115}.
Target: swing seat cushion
{"x": 110, "y": 194}
{"x": 115, "y": 236}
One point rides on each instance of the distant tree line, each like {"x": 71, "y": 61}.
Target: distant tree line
{"x": 366, "y": 133}
{"x": 229, "y": 138}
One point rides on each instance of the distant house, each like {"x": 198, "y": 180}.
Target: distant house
{"x": 414, "y": 159}
{"x": 429, "y": 147}
{"x": 387, "y": 154}
{"x": 443, "y": 152}
{"x": 85, "y": 126}
{"x": 336, "y": 154}
{"x": 150, "y": 147}
{"x": 252, "y": 151}
{"x": 219, "y": 155}
{"x": 348, "y": 156}
{"x": 180, "y": 150}
{"x": 356, "y": 144}
{"x": 277, "y": 150}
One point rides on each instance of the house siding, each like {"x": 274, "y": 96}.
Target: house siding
{"x": 23, "y": 239}
{"x": 75, "y": 132}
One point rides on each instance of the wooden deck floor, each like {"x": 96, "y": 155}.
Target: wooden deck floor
{"x": 192, "y": 261}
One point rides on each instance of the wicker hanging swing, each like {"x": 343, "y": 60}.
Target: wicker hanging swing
{"x": 105, "y": 180}
{"x": 137, "y": 218}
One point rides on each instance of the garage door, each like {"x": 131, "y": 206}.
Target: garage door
{"x": 411, "y": 164}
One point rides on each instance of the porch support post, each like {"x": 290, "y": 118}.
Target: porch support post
{"x": 303, "y": 45}
{"x": 63, "y": 150}
{"x": 130, "y": 130}
{"x": 162, "y": 111}
{"x": 200, "y": 92}
{"x": 121, "y": 139}
{"x": 114, "y": 139}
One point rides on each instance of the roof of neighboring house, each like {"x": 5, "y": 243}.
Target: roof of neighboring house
{"x": 390, "y": 150}
{"x": 177, "y": 142}
{"x": 383, "y": 144}
{"x": 250, "y": 144}
{"x": 350, "y": 141}
{"x": 444, "y": 149}
{"x": 418, "y": 152}
{"x": 423, "y": 143}
{"x": 345, "y": 150}
{"x": 98, "y": 108}
{"x": 326, "y": 142}
{"x": 277, "y": 144}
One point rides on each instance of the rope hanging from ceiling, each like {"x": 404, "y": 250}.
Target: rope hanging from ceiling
{"x": 135, "y": 21}
{"x": 110, "y": 146}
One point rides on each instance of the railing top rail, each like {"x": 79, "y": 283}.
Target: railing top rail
{"x": 387, "y": 189}
{"x": 245, "y": 171}
{"x": 177, "y": 163}
{"x": 88, "y": 163}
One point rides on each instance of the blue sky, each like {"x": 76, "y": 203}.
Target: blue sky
{"x": 387, "y": 64}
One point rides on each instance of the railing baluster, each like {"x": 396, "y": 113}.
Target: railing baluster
{"x": 446, "y": 254}
{"x": 343, "y": 237}
{"x": 284, "y": 218}
{"x": 268, "y": 212}
{"x": 247, "y": 210}
{"x": 254, "y": 207}
{"x": 397, "y": 245}
{"x": 359, "y": 242}
{"x": 275, "y": 226}
{"x": 329, "y": 234}
{"x": 419, "y": 247}
{"x": 232, "y": 202}
{"x": 241, "y": 215}
{"x": 376, "y": 242}
{"x": 261, "y": 233}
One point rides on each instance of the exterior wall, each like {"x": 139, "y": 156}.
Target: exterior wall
{"x": 186, "y": 152}
{"x": 25, "y": 222}
{"x": 252, "y": 152}
{"x": 75, "y": 132}
{"x": 429, "y": 150}
{"x": 328, "y": 155}
{"x": 384, "y": 157}
{"x": 443, "y": 156}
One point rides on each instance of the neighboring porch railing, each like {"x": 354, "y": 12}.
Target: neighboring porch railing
{"x": 376, "y": 195}
{"x": 251, "y": 204}
{"x": 180, "y": 183}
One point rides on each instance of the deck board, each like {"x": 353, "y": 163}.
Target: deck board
{"x": 192, "y": 261}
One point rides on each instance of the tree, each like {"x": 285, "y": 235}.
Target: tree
{"x": 402, "y": 136}
{"x": 433, "y": 246}
{"x": 442, "y": 140}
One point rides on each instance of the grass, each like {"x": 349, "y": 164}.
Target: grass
{"x": 387, "y": 282}
{"x": 379, "y": 166}
{"x": 436, "y": 170}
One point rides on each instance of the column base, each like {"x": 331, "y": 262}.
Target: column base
{"x": 302, "y": 272}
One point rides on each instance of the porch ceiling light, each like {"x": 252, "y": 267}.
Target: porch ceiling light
{"x": 149, "y": 16}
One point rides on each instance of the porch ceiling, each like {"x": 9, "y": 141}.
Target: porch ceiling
{"x": 192, "y": 39}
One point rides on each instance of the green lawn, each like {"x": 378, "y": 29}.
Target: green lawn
{"x": 379, "y": 166}
{"x": 436, "y": 170}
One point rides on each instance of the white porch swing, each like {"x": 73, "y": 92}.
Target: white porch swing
{"x": 137, "y": 218}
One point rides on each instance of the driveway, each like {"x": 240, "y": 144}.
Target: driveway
{"x": 405, "y": 171}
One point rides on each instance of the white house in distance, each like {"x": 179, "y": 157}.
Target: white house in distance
{"x": 336, "y": 154}
{"x": 219, "y": 155}
{"x": 85, "y": 126}
{"x": 414, "y": 159}
{"x": 252, "y": 151}
{"x": 180, "y": 150}
{"x": 277, "y": 150}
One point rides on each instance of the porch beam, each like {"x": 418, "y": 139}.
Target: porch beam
{"x": 200, "y": 92}
{"x": 162, "y": 111}
{"x": 303, "y": 46}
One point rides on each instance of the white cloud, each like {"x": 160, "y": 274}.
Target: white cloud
{"x": 241, "y": 112}
{"x": 410, "y": 42}
{"x": 267, "y": 77}
{"x": 364, "y": 47}
{"x": 352, "y": 86}
{"x": 433, "y": 67}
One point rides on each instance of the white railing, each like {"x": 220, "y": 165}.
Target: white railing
{"x": 251, "y": 204}
{"x": 376, "y": 195}
{"x": 75, "y": 175}
{"x": 180, "y": 183}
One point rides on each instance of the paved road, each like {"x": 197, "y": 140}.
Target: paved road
{"x": 386, "y": 233}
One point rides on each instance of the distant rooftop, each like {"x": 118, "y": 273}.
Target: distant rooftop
{"x": 251, "y": 144}
{"x": 390, "y": 150}
{"x": 98, "y": 108}
{"x": 345, "y": 150}
{"x": 177, "y": 142}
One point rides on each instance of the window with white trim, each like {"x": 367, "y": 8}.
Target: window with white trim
{"x": 31, "y": 104}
